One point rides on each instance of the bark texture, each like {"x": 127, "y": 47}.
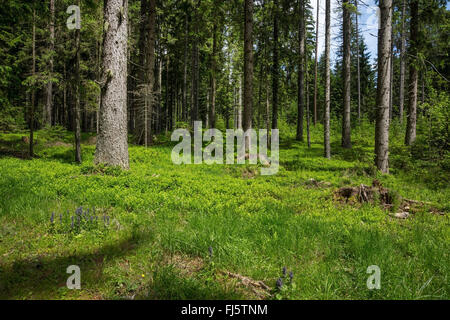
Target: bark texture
{"x": 326, "y": 117}
{"x": 301, "y": 71}
{"x": 346, "y": 125}
{"x": 383, "y": 87}
{"x": 112, "y": 145}
{"x": 316, "y": 59}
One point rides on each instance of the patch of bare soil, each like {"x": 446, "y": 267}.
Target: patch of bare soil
{"x": 190, "y": 266}
{"x": 258, "y": 289}
{"x": 187, "y": 266}
{"x": 387, "y": 199}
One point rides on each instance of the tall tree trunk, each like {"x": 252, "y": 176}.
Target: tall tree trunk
{"x": 346, "y": 124}
{"x": 168, "y": 102}
{"x": 308, "y": 134}
{"x": 326, "y": 118}
{"x": 195, "y": 68}
{"x": 112, "y": 145}
{"x": 316, "y": 59}
{"x": 275, "y": 67}
{"x": 146, "y": 74}
{"x": 49, "y": 90}
{"x": 301, "y": 71}
{"x": 260, "y": 80}
{"x": 358, "y": 66}
{"x": 383, "y": 87}
{"x": 33, "y": 92}
{"x": 413, "y": 74}
{"x": 186, "y": 38}
{"x": 402, "y": 63}
{"x": 248, "y": 67}
{"x": 150, "y": 67}
{"x": 77, "y": 126}
{"x": 391, "y": 75}
{"x": 212, "y": 109}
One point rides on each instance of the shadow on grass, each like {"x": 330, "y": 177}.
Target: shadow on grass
{"x": 43, "y": 276}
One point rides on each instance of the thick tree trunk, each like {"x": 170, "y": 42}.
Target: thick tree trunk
{"x": 301, "y": 71}
{"x": 248, "y": 66}
{"x": 413, "y": 75}
{"x": 326, "y": 118}
{"x": 316, "y": 59}
{"x": 112, "y": 145}
{"x": 49, "y": 90}
{"x": 77, "y": 111}
{"x": 346, "y": 124}
{"x": 383, "y": 87}
{"x": 275, "y": 67}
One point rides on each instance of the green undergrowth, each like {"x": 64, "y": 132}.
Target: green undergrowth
{"x": 160, "y": 213}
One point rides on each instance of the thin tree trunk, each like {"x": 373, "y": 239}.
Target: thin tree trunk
{"x": 239, "y": 110}
{"x": 267, "y": 108}
{"x": 49, "y": 90}
{"x": 212, "y": 109}
{"x": 402, "y": 64}
{"x": 112, "y": 145}
{"x": 33, "y": 71}
{"x": 149, "y": 67}
{"x": 410, "y": 137}
{"x": 77, "y": 97}
{"x": 383, "y": 86}
{"x": 391, "y": 76}
{"x": 346, "y": 124}
{"x": 186, "y": 37}
{"x": 275, "y": 68}
{"x": 308, "y": 134}
{"x": 248, "y": 68}
{"x": 316, "y": 58}
{"x": 358, "y": 61}
{"x": 301, "y": 71}
{"x": 326, "y": 118}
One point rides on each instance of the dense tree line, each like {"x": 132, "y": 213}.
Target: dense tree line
{"x": 145, "y": 67}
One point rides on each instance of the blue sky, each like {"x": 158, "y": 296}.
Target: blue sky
{"x": 368, "y": 23}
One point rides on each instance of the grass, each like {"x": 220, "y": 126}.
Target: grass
{"x": 164, "y": 217}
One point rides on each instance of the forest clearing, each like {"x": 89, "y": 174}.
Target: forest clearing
{"x": 345, "y": 197}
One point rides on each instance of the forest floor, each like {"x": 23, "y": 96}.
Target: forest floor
{"x": 163, "y": 219}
